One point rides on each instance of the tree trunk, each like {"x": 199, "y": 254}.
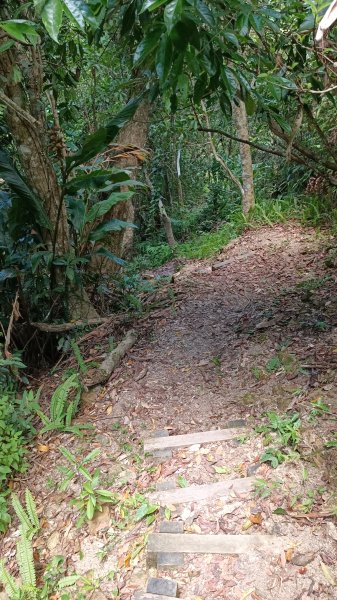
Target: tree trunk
{"x": 25, "y": 117}
{"x": 134, "y": 134}
{"x": 241, "y": 122}
{"x": 166, "y": 221}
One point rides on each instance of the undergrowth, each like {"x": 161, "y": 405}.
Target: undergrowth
{"x": 311, "y": 211}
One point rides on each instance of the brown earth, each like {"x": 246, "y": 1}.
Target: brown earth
{"x": 258, "y": 333}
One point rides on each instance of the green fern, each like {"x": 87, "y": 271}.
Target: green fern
{"x": 25, "y": 559}
{"x": 31, "y": 509}
{"x": 79, "y": 358}
{"x": 60, "y": 396}
{"x": 8, "y": 582}
{"x": 29, "y": 521}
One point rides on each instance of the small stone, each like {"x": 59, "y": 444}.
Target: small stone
{"x": 251, "y": 469}
{"x": 301, "y": 560}
{"x": 163, "y": 486}
{"x": 171, "y": 527}
{"x": 165, "y": 587}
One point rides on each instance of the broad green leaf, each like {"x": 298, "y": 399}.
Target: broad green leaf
{"x": 90, "y": 509}
{"x": 146, "y": 47}
{"x": 279, "y": 511}
{"x": 221, "y": 470}
{"x": 50, "y": 12}
{"x": 93, "y": 454}
{"x": 114, "y": 225}
{"x": 145, "y": 510}
{"x": 6, "y": 45}
{"x": 205, "y": 13}
{"x": 98, "y": 141}
{"x": 172, "y": 13}
{"x": 77, "y": 9}
{"x": 231, "y": 37}
{"x": 101, "y": 208}
{"x": 21, "y": 30}
{"x": 152, "y": 5}
{"x": 164, "y": 58}
{"x": 22, "y": 193}
{"x": 107, "y": 254}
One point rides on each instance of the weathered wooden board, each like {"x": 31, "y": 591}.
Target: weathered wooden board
{"x": 201, "y": 492}
{"x": 202, "y": 437}
{"x": 154, "y": 597}
{"x": 213, "y": 544}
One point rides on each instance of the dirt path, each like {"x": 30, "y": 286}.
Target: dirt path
{"x": 258, "y": 333}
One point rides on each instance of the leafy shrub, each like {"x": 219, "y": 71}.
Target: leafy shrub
{"x": 12, "y": 442}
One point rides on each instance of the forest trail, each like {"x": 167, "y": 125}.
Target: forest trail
{"x": 257, "y": 333}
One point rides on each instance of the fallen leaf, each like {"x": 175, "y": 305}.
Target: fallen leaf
{"x": 256, "y": 518}
{"x": 247, "y": 524}
{"x": 327, "y": 573}
{"x": 302, "y": 570}
{"x": 247, "y": 594}
{"x": 289, "y": 554}
{"x": 109, "y": 410}
{"x": 43, "y": 448}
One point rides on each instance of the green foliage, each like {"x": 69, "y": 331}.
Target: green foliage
{"x": 264, "y": 488}
{"x": 287, "y": 428}
{"x": 29, "y": 521}
{"x": 12, "y": 442}
{"x": 63, "y": 408}
{"x": 92, "y": 498}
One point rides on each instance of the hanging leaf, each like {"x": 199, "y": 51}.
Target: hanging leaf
{"x": 101, "y": 208}
{"x": 152, "y": 5}
{"x": 205, "y": 13}
{"x": 107, "y": 254}
{"x": 146, "y": 47}
{"x": 21, "y": 30}
{"x": 114, "y": 225}
{"x": 98, "y": 141}
{"x": 50, "y": 12}
{"x": 21, "y": 191}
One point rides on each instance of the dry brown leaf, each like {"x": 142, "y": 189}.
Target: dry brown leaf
{"x": 109, "y": 410}
{"x": 327, "y": 574}
{"x": 43, "y": 448}
{"x": 289, "y": 554}
{"x": 256, "y": 518}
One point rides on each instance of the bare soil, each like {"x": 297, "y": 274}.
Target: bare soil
{"x": 257, "y": 334}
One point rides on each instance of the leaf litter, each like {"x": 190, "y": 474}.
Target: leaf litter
{"x": 258, "y": 335}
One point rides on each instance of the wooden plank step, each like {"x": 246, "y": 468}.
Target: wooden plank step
{"x": 155, "y": 597}
{"x": 202, "y": 437}
{"x": 213, "y": 544}
{"x": 201, "y": 492}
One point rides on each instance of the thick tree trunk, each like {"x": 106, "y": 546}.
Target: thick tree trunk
{"x": 134, "y": 134}
{"x": 26, "y": 122}
{"x": 241, "y": 122}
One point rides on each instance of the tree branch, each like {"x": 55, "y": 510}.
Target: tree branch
{"x": 20, "y": 111}
{"x": 217, "y": 156}
{"x": 241, "y": 141}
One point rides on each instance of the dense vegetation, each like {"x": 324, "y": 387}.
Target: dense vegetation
{"x": 136, "y": 132}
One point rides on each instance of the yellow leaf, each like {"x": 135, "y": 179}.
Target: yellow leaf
{"x": 247, "y": 594}
{"x": 109, "y": 410}
{"x": 327, "y": 573}
{"x": 43, "y": 448}
{"x": 247, "y": 525}
{"x": 289, "y": 554}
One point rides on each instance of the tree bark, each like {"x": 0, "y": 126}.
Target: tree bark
{"x": 134, "y": 134}
{"x": 25, "y": 116}
{"x": 241, "y": 122}
{"x": 166, "y": 221}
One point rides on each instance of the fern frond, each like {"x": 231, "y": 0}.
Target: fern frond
{"x": 31, "y": 509}
{"x": 8, "y": 581}
{"x": 79, "y": 358}
{"x": 60, "y": 396}
{"x": 25, "y": 559}
{"x": 69, "y": 414}
{"x": 21, "y": 513}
